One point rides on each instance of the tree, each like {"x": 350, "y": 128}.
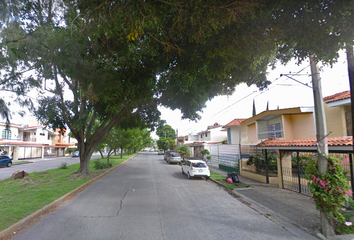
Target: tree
{"x": 184, "y": 151}
{"x": 117, "y": 61}
{"x": 205, "y": 152}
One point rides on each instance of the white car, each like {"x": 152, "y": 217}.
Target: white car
{"x": 195, "y": 168}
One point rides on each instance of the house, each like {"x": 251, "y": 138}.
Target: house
{"x": 23, "y": 142}
{"x": 289, "y": 137}
{"x": 236, "y": 134}
{"x": 209, "y": 138}
{"x": 339, "y": 114}
{"x": 289, "y": 123}
{"x": 213, "y": 133}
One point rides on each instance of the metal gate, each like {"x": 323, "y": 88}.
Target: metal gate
{"x": 293, "y": 166}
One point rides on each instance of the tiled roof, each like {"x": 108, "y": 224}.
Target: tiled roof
{"x": 235, "y": 122}
{"x": 29, "y": 144}
{"x": 336, "y": 141}
{"x": 337, "y": 97}
{"x": 195, "y": 143}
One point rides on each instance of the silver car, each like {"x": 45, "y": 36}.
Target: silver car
{"x": 173, "y": 157}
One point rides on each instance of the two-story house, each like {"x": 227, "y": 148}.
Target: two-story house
{"x": 289, "y": 123}
{"x": 213, "y": 133}
{"x": 24, "y": 142}
{"x": 292, "y": 132}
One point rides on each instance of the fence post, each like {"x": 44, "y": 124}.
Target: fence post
{"x": 298, "y": 170}
{"x": 351, "y": 173}
{"x": 266, "y": 165}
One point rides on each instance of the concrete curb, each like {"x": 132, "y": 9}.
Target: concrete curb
{"x": 284, "y": 222}
{"x": 9, "y": 232}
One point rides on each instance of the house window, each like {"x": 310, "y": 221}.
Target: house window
{"x": 229, "y": 135}
{"x": 206, "y": 134}
{"x": 275, "y": 130}
{"x": 26, "y": 136}
{"x": 6, "y": 134}
{"x": 272, "y": 128}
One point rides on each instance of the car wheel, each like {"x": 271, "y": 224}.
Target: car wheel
{"x": 189, "y": 176}
{"x": 9, "y": 164}
{"x": 207, "y": 178}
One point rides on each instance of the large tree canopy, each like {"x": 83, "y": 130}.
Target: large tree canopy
{"x": 116, "y": 61}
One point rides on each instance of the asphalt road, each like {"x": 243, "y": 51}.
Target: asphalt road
{"x": 39, "y": 165}
{"x": 146, "y": 198}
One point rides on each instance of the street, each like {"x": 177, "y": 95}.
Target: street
{"x": 39, "y": 165}
{"x": 146, "y": 198}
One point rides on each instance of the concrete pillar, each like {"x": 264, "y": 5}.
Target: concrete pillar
{"x": 15, "y": 153}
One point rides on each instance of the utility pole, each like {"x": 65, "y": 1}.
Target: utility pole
{"x": 350, "y": 60}
{"x": 321, "y": 131}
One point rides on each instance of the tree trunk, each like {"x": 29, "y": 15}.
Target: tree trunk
{"x": 121, "y": 152}
{"x": 101, "y": 154}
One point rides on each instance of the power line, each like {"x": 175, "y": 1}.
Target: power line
{"x": 271, "y": 87}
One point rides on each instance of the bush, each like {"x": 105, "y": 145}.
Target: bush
{"x": 63, "y": 165}
{"x": 101, "y": 165}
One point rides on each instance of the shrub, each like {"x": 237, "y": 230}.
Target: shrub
{"x": 101, "y": 165}
{"x": 330, "y": 192}
{"x": 63, "y": 165}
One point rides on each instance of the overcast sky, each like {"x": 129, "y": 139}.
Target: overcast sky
{"x": 283, "y": 93}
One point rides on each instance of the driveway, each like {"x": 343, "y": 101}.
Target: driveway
{"x": 146, "y": 198}
{"x": 39, "y": 165}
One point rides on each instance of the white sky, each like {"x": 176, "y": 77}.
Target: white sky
{"x": 283, "y": 92}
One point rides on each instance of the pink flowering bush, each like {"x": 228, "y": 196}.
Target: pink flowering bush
{"x": 331, "y": 193}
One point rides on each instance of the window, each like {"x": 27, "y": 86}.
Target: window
{"x": 26, "y": 136}
{"x": 275, "y": 130}
{"x": 229, "y": 135}
{"x": 6, "y": 134}
{"x": 206, "y": 134}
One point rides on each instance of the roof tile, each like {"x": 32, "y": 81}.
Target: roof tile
{"x": 235, "y": 122}
{"x": 335, "y": 141}
{"x": 337, "y": 97}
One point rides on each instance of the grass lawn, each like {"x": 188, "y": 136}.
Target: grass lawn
{"x": 20, "y": 198}
{"x": 20, "y": 162}
{"x": 222, "y": 179}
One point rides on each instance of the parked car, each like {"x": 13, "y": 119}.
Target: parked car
{"x": 76, "y": 154}
{"x": 167, "y": 152}
{"x": 5, "y": 161}
{"x": 160, "y": 152}
{"x": 195, "y": 168}
{"x": 173, "y": 157}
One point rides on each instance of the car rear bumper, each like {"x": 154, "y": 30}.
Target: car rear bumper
{"x": 175, "y": 160}
{"x": 199, "y": 174}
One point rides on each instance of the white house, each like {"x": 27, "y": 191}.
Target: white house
{"x": 24, "y": 142}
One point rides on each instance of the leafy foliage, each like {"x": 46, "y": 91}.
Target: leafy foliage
{"x": 101, "y": 165}
{"x": 329, "y": 190}
{"x": 184, "y": 151}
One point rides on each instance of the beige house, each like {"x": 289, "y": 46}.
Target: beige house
{"x": 289, "y": 123}
{"x": 339, "y": 114}
{"x": 290, "y": 131}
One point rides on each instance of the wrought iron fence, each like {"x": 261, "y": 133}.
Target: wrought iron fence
{"x": 257, "y": 161}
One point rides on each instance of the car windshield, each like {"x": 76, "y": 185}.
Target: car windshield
{"x": 175, "y": 154}
{"x": 199, "y": 165}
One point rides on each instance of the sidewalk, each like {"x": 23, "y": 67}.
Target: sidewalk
{"x": 280, "y": 205}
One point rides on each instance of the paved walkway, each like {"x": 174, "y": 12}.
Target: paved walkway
{"x": 279, "y": 204}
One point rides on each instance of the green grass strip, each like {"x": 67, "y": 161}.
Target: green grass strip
{"x": 20, "y": 198}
